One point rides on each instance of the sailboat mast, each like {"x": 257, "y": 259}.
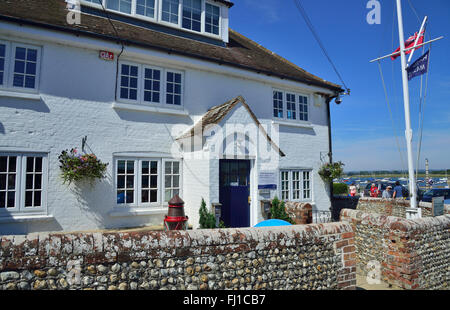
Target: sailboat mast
{"x": 408, "y": 131}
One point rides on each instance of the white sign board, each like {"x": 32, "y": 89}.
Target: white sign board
{"x": 267, "y": 180}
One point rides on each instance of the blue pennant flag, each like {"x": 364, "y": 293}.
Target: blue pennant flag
{"x": 419, "y": 67}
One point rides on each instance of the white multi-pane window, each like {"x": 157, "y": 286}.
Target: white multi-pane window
{"x": 285, "y": 190}
{"x": 291, "y": 106}
{"x": 169, "y": 11}
{"x": 129, "y": 76}
{"x": 123, "y": 6}
{"x": 199, "y": 16}
{"x": 212, "y": 18}
{"x": 150, "y": 85}
{"x": 2, "y": 63}
{"x": 278, "y": 104}
{"x": 145, "y": 8}
{"x": 296, "y": 106}
{"x": 144, "y": 182}
{"x": 149, "y": 181}
{"x": 171, "y": 179}
{"x": 295, "y": 185}
{"x": 192, "y": 14}
{"x": 303, "y": 108}
{"x": 306, "y": 184}
{"x": 173, "y": 88}
{"x": 22, "y": 182}
{"x": 19, "y": 66}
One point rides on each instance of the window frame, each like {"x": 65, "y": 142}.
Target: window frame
{"x": 285, "y": 110}
{"x": 301, "y": 188}
{"x": 10, "y": 60}
{"x": 137, "y": 196}
{"x": 220, "y": 18}
{"x": 180, "y": 174}
{"x": 5, "y": 81}
{"x": 14, "y": 45}
{"x": 167, "y": 70}
{"x": 162, "y": 86}
{"x": 141, "y": 85}
{"x": 20, "y": 189}
{"x": 158, "y": 15}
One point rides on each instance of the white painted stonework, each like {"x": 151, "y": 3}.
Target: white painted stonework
{"x": 76, "y": 98}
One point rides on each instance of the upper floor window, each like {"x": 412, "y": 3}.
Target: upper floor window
{"x": 19, "y": 66}
{"x": 22, "y": 182}
{"x": 123, "y": 6}
{"x": 147, "y": 84}
{"x": 296, "y": 106}
{"x": 169, "y": 12}
{"x": 145, "y": 8}
{"x": 278, "y": 104}
{"x": 212, "y": 18}
{"x": 194, "y": 15}
{"x": 2, "y": 62}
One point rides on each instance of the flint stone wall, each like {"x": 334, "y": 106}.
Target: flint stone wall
{"x": 318, "y": 256}
{"x": 389, "y": 207}
{"x": 412, "y": 254}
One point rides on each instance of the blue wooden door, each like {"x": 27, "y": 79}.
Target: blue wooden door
{"x": 234, "y": 192}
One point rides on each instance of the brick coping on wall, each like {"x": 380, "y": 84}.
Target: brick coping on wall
{"x": 408, "y": 247}
{"x": 44, "y": 251}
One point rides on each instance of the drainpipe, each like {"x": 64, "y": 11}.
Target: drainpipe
{"x": 330, "y": 145}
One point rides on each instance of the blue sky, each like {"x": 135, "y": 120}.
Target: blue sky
{"x": 364, "y": 136}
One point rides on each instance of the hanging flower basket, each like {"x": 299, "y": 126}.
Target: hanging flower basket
{"x": 77, "y": 167}
{"x": 328, "y": 171}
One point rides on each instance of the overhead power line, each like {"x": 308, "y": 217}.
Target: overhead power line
{"x": 316, "y": 36}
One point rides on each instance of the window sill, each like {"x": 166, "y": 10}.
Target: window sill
{"x": 20, "y": 95}
{"x": 126, "y": 212}
{"x": 25, "y": 218}
{"x": 147, "y": 108}
{"x": 293, "y": 123}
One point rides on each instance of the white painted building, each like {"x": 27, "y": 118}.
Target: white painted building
{"x": 136, "y": 90}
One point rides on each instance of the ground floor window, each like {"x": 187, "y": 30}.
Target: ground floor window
{"x": 144, "y": 182}
{"x": 295, "y": 185}
{"x": 22, "y": 182}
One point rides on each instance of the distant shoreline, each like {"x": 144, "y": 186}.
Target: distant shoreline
{"x": 393, "y": 175}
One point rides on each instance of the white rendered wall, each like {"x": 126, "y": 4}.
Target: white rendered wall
{"x": 77, "y": 93}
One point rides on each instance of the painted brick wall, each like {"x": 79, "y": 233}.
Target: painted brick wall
{"x": 296, "y": 257}
{"x": 411, "y": 254}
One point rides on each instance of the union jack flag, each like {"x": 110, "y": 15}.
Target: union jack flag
{"x": 410, "y": 43}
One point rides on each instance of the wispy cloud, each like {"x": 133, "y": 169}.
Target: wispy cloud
{"x": 266, "y": 8}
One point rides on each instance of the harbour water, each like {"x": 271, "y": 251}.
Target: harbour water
{"x": 421, "y": 182}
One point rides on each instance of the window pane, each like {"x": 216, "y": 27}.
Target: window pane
{"x": 2, "y": 62}
{"x": 170, "y": 11}
{"x": 11, "y": 198}
{"x": 2, "y": 199}
{"x": 212, "y": 14}
{"x": 278, "y": 104}
{"x": 129, "y": 196}
{"x": 28, "y": 199}
{"x": 2, "y": 182}
{"x": 123, "y": 6}
{"x": 37, "y": 198}
{"x": 145, "y": 8}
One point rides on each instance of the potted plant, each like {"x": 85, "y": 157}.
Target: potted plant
{"x": 77, "y": 167}
{"x": 328, "y": 171}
